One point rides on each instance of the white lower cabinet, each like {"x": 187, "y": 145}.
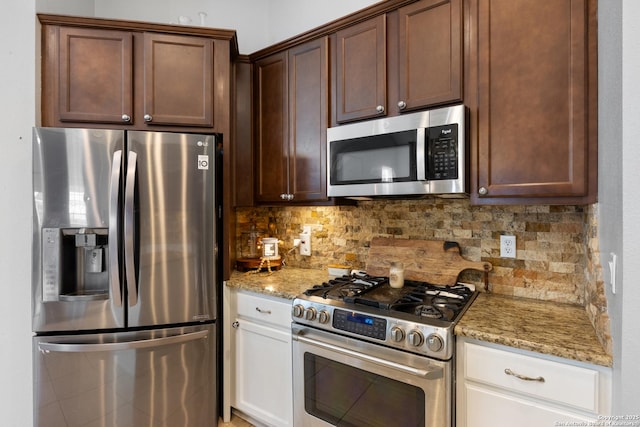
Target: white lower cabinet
{"x": 499, "y": 386}
{"x": 258, "y": 351}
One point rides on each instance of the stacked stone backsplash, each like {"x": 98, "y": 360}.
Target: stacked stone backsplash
{"x": 557, "y": 255}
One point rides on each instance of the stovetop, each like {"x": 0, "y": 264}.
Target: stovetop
{"x": 422, "y": 300}
{"x": 419, "y": 317}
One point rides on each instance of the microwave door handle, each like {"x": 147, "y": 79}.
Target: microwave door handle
{"x": 118, "y": 346}
{"x": 366, "y": 357}
{"x": 130, "y": 229}
{"x": 114, "y": 260}
{"x": 421, "y": 154}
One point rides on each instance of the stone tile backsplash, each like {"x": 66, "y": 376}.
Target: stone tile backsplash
{"x": 556, "y": 246}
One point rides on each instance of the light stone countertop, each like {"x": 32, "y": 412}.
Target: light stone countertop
{"x": 562, "y": 330}
{"x": 287, "y": 283}
{"x": 545, "y": 327}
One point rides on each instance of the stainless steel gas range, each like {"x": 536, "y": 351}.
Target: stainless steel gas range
{"x": 367, "y": 354}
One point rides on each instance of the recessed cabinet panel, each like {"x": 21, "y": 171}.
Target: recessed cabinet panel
{"x": 308, "y": 98}
{"x": 361, "y": 80}
{"x": 430, "y": 53}
{"x": 536, "y": 101}
{"x": 97, "y": 90}
{"x": 272, "y": 148}
{"x": 178, "y": 80}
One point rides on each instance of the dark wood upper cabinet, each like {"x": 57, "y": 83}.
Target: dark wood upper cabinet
{"x": 178, "y": 80}
{"x": 533, "y": 101}
{"x": 291, "y": 121}
{"x": 271, "y": 123}
{"x": 99, "y": 90}
{"x": 361, "y": 73}
{"x": 429, "y": 53}
{"x": 405, "y": 60}
{"x": 144, "y": 76}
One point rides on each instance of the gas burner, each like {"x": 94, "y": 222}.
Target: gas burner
{"x": 429, "y": 312}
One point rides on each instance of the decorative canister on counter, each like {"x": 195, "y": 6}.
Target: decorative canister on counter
{"x": 396, "y": 275}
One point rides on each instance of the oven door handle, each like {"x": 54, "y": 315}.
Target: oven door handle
{"x": 366, "y": 357}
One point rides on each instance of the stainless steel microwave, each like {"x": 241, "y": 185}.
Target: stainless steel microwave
{"x": 413, "y": 154}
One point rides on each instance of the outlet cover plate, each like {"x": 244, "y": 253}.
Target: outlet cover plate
{"x": 507, "y": 246}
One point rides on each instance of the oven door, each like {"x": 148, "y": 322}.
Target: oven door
{"x": 341, "y": 381}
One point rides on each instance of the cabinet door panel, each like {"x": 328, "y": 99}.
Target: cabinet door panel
{"x": 533, "y": 110}
{"x": 178, "y": 80}
{"x": 308, "y": 98}
{"x": 95, "y": 75}
{"x": 430, "y": 53}
{"x": 263, "y": 382}
{"x": 272, "y": 149}
{"x": 361, "y": 70}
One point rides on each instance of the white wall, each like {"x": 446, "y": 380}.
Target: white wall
{"x": 627, "y": 373}
{"x": 17, "y": 117}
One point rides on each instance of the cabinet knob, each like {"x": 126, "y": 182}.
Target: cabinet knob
{"x": 283, "y": 196}
{"x": 126, "y": 118}
{"x": 483, "y": 191}
{"x": 402, "y": 105}
{"x": 289, "y": 197}
{"x": 380, "y": 109}
{"x": 235, "y": 324}
{"x": 148, "y": 118}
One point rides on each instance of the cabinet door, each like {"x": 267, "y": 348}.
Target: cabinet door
{"x": 430, "y": 53}
{"x": 536, "y": 112}
{"x": 308, "y": 120}
{"x": 178, "y": 80}
{"x": 263, "y": 375}
{"x": 271, "y": 115}
{"x": 95, "y": 80}
{"x": 361, "y": 80}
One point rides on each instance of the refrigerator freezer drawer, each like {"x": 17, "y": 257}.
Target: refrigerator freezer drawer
{"x": 162, "y": 377}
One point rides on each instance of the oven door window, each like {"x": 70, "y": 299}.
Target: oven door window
{"x": 343, "y": 395}
{"x": 374, "y": 159}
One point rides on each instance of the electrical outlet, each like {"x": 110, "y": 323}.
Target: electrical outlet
{"x": 507, "y": 246}
{"x": 305, "y": 244}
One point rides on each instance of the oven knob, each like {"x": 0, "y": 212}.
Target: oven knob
{"x": 323, "y": 316}
{"x": 415, "y": 338}
{"x": 310, "y": 313}
{"x": 397, "y": 334}
{"x": 298, "y": 310}
{"x": 434, "y": 342}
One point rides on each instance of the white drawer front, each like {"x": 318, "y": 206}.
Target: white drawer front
{"x": 567, "y": 384}
{"x": 263, "y": 309}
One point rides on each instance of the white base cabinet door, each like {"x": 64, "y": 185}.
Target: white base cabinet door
{"x": 259, "y": 369}
{"x": 499, "y": 386}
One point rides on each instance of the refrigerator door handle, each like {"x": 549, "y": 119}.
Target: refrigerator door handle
{"x": 47, "y": 347}
{"x": 114, "y": 260}
{"x": 130, "y": 229}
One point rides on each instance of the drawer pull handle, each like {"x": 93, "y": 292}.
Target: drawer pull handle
{"x": 259, "y": 310}
{"x": 522, "y": 377}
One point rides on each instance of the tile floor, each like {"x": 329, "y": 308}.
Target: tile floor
{"x": 236, "y": 421}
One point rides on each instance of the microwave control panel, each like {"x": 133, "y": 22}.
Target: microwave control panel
{"x": 442, "y": 152}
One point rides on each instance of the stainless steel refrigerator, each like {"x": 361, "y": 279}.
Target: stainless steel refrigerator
{"x": 124, "y": 278}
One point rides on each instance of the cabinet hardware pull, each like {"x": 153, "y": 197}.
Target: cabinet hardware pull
{"x": 147, "y": 118}
{"x": 523, "y": 377}
{"x": 483, "y": 191}
{"x": 235, "y": 324}
{"x": 380, "y": 109}
{"x": 402, "y": 105}
{"x": 259, "y": 310}
{"x": 126, "y": 118}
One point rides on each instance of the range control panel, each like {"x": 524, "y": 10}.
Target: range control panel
{"x": 420, "y": 338}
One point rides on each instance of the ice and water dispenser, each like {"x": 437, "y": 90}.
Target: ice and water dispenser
{"x": 75, "y": 264}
